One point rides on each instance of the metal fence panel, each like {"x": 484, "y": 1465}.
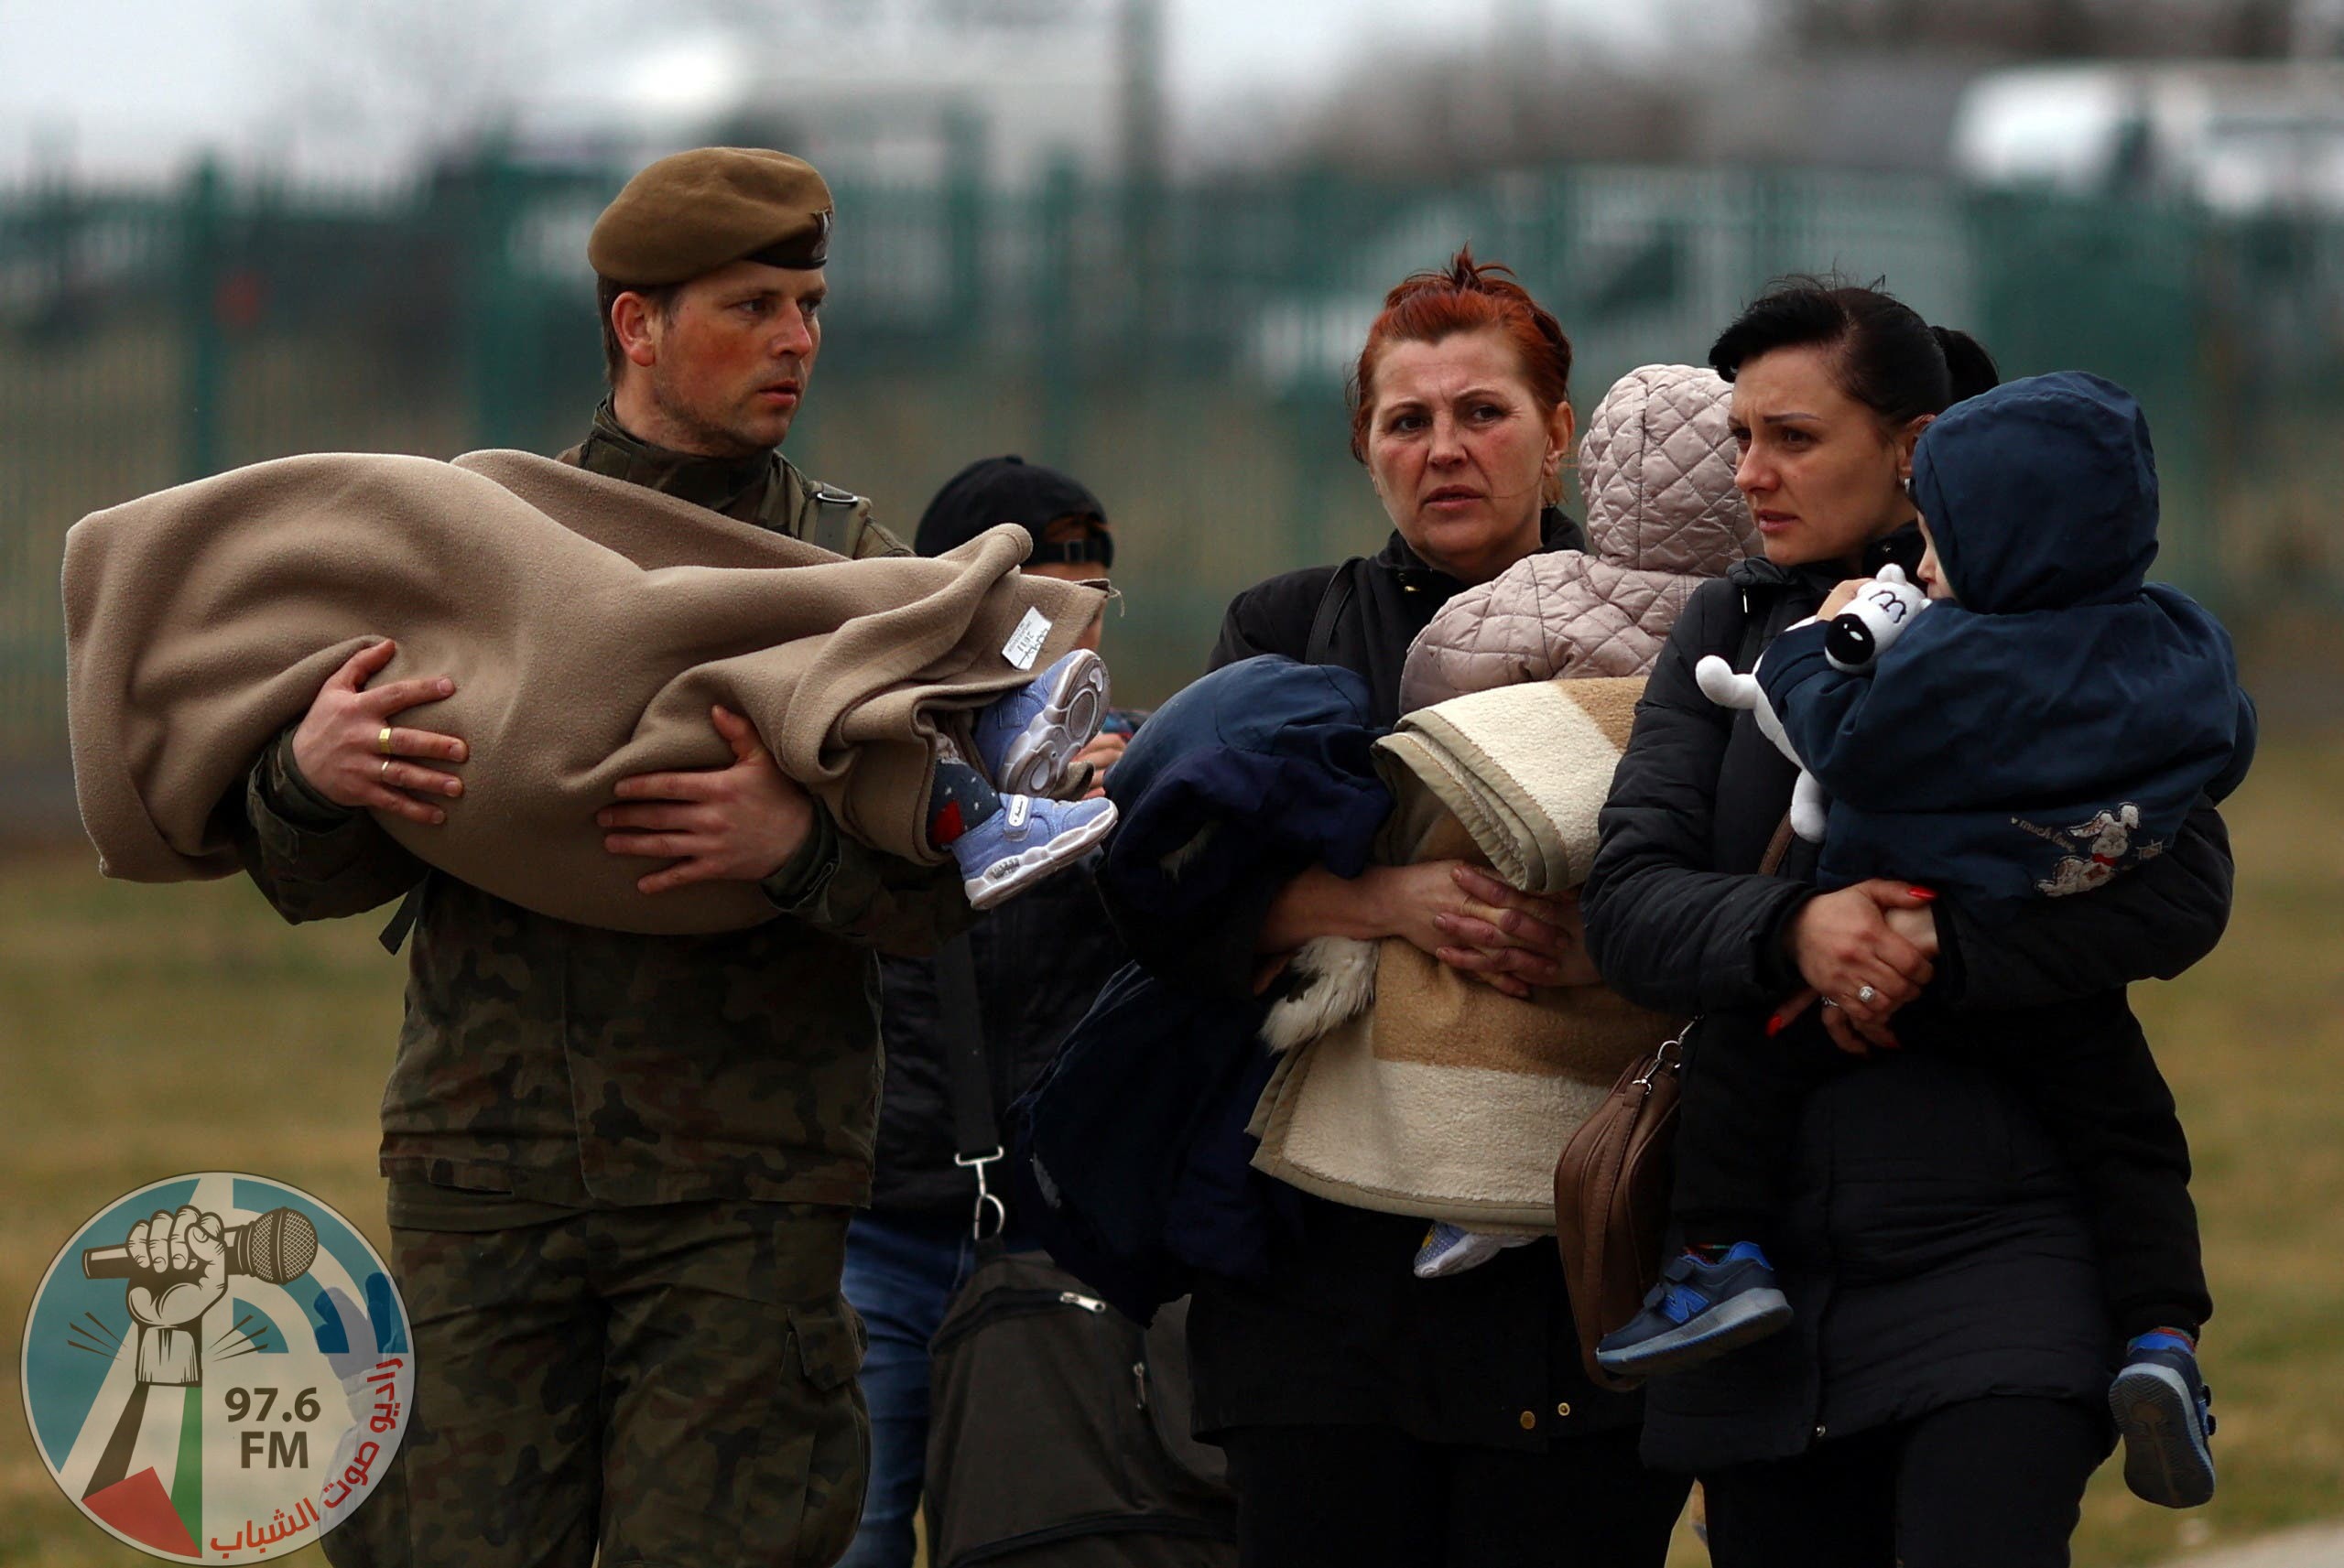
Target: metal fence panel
{"x": 1183, "y": 349}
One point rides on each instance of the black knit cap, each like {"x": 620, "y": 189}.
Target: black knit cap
{"x": 992, "y": 490}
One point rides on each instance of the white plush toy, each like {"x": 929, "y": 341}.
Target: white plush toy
{"x": 1859, "y": 634}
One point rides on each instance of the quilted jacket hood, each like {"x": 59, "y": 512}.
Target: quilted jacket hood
{"x": 1656, "y": 466}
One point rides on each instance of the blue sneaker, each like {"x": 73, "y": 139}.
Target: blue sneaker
{"x": 2165, "y": 1414}
{"x": 1026, "y": 739}
{"x": 1025, "y": 841}
{"x": 1695, "y": 1311}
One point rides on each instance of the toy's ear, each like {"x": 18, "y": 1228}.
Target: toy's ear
{"x": 1894, "y": 573}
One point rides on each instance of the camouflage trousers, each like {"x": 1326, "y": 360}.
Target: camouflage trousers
{"x": 675, "y": 1385}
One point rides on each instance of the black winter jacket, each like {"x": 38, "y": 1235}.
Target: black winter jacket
{"x": 1040, "y": 959}
{"x": 1384, "y": 600}
{"x": 1933, "y": 1248}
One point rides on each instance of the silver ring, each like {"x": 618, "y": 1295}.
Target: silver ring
{"x": 384, "y": 771}
{"x": 1865, "y": 994}
{"x": 1831, "y": 1002}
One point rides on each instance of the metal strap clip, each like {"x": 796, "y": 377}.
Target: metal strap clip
{"x": 985, "y": 1198}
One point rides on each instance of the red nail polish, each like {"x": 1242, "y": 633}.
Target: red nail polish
{"x": 1924, "y": 895}
{"x": 1775, "y": 1025}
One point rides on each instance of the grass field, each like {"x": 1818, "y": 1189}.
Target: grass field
{"x": 146, "y": 1032}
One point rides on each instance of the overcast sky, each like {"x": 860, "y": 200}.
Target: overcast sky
{"x": 136, "y": 88}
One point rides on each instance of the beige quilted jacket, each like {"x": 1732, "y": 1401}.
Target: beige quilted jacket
{"x": 1656, "y": 469}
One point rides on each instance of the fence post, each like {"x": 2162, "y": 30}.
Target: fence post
{"x": 499, "y": 367}
{"x": 204, "y": 363}
{"x": 1056, "y": 331}
{"x": 964, "y": 226}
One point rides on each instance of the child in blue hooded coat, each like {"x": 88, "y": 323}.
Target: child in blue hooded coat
{"x": 2050, "y": 721}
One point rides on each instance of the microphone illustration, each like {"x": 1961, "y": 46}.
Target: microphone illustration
{"x": 276, "y": 1247}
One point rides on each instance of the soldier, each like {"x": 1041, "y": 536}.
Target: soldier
{"x": 620, "y": 1165}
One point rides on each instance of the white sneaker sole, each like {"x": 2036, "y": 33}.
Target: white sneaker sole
{"x": 1035, "y": 761}
{"x": 1006, "y": 877}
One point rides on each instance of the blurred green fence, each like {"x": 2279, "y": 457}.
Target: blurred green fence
{"x": 1183, "y": 349}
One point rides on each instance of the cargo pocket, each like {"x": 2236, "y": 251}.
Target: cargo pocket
{"x": 826, "y": 1343}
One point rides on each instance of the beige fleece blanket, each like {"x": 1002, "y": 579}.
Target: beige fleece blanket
{"x": 589, "y": 625}
{"x": 1408, "y": 1088}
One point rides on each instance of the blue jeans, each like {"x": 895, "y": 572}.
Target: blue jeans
{"x": 901, "y": 1274}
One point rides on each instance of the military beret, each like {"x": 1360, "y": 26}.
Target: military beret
{"x": 694, "y": 212}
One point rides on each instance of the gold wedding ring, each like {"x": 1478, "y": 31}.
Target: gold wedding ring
{"x": 383, "y": 741}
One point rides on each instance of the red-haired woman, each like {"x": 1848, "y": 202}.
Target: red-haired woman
{"x": 1370, "y": 1416}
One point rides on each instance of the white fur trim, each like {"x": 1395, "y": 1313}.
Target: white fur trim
{"x": 1335, "y": 980}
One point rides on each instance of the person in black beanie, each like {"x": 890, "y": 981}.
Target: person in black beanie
{"x": 1039, "y": 960}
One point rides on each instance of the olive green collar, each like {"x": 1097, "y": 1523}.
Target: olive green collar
{"x": 729, "y": 485}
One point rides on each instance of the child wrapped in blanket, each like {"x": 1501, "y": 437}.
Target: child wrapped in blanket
{"x": 1663, "y": 516}
{"x": 594, "y": 624}
{"x": 2043, "y": 720}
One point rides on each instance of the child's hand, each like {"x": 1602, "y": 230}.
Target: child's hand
{"x": 1842, "y": 597}
{"x": 1106, "y": 749}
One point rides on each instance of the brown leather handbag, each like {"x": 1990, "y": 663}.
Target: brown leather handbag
{"x": 1611, "y": 1199}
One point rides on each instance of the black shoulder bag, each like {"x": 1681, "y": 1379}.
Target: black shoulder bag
{"x": 1058, "y": 1427}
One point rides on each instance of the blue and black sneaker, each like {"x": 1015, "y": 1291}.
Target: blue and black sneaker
{"x": 2165, "y": 1414}
{"x": 1698, "y": 1310}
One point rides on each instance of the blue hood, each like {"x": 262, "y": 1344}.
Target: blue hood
{"x": 2041, "y": 494}
{"x": 2059, "y": 721}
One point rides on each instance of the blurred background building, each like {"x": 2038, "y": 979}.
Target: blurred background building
{"x": 1142, "y": 239}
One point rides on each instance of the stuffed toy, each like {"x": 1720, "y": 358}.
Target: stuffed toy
{"x": 1859, "y": 636}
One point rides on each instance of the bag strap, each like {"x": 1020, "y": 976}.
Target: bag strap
{"x": 976, "y": 1135}
{"x": 403, "y": 919}
{"x": 1331, "y": 605}
{"x": 836, "y": 527}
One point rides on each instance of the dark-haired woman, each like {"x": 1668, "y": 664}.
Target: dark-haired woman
{"x": 1369, "y": 1416}
{"x": 1940, "y": 1398}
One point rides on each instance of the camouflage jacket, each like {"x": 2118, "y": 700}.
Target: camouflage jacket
{"x": 565, "y": 1064}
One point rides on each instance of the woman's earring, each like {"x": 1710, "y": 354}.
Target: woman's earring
{"x": 1905, "y": 485}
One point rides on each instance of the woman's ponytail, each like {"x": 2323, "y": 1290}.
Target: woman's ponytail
{"x": 1970, "y": 368}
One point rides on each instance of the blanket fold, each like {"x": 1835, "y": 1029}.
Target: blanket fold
{"x": 1524, "y": 769}
{"x": 589, "y": 625}
{"x": 1444, "y": 1097}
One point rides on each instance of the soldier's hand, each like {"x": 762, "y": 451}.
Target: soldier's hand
{"x": 741, "y": 823}
{"x": 338, "y": 750}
